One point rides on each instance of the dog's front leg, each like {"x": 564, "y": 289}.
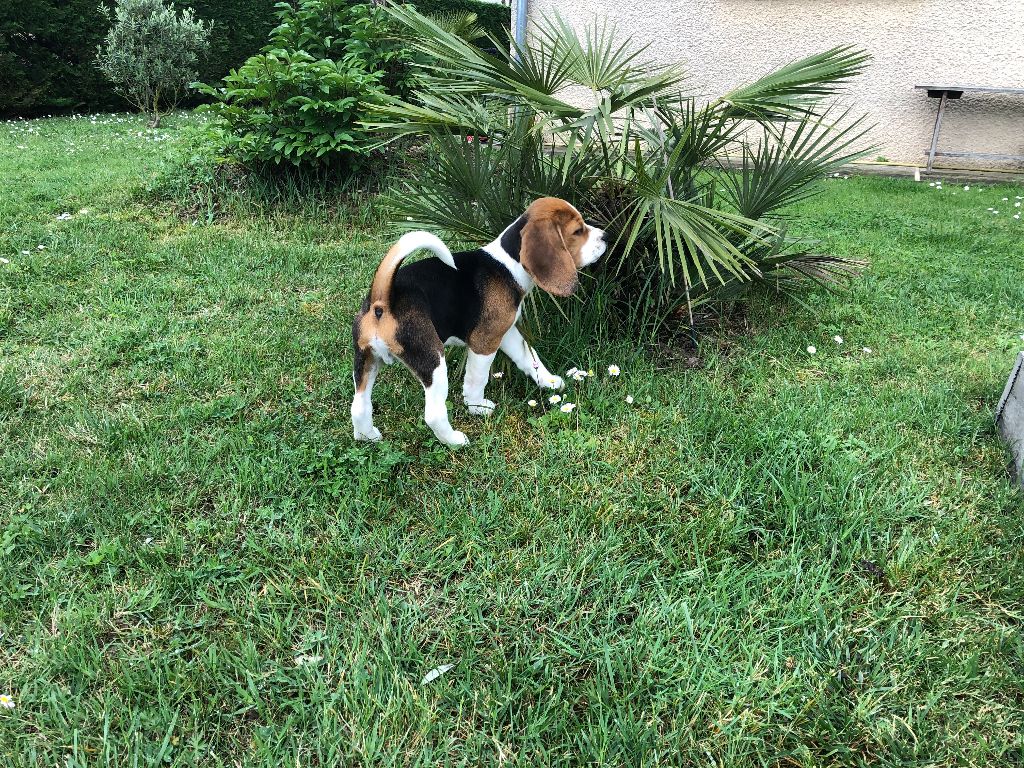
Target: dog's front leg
{"x": 478, "y": 370}
{"x": 526, "y": 359}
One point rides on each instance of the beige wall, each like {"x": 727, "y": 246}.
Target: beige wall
{"x": 723, "y": 43}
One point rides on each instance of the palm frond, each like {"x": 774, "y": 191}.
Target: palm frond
{"x": 686, "y": 233}
{"x": 432, "y": 111}
{"x": 797, "y": 88}
{"x": 782, "y": 170}
{"x": 464, "y": 25}
{"x": 600, "y": 63}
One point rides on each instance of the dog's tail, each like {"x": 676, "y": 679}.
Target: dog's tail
{"x": 407, "y": 244}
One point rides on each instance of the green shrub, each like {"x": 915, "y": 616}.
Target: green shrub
{"x": 151, "y": 54}
{"x": 301, "y": 101}
{"x": 693, "y": 199}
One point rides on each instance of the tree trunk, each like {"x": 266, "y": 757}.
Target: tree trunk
{"x": 154, "y": 120}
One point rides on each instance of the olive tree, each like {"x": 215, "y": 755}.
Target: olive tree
{"x": 151, "y": 54}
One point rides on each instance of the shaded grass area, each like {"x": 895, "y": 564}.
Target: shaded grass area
{"x": 775, "y": 558}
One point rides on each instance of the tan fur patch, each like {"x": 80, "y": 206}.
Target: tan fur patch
{"x": 497, "y": 315}
{"x": 552, "y": 245}
{"x": 382, "y": 278}
{"x": 386, "y": 329}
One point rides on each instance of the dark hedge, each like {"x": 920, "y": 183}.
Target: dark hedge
{"x": 47, "y": 47}
{"x": 495, "y": 18}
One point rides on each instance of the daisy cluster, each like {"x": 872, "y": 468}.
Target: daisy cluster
{"x": 127, "y": 127}
{"x": 1005, "y": 206}
{"x": 839, "y": 341}
{"x": 578, "y": 375}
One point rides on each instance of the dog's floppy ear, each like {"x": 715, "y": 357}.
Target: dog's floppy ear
{"x": 545, "y": 256}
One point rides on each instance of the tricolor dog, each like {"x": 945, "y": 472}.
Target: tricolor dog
{"x": 472, "y": 299}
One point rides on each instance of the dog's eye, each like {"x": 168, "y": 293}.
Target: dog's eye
{"x": 580, "y": 231}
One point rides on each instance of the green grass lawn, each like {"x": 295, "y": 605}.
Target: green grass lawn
{"x": 775, "y": 558}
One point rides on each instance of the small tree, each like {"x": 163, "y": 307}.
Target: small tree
{"x": 151, "y": 55}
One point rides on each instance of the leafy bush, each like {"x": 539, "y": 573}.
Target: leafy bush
{"x": 151, "y": 54}
{"x": 303, "y": 99}
{"x": 691, "y": 196}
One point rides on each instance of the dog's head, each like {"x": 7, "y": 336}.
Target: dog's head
{"x": 554, "y": 243}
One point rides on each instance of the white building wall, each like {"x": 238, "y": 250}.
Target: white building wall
{"x": 724, "y": 43}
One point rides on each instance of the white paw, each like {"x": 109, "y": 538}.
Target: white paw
{"x": 370, "y": 435}
{"x": 455, "y": 439}
{"x": 551, "y": 382}
{"x": 481, "y": 407}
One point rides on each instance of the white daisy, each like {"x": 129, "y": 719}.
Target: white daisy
{"x": 6, "y": 701}
{"x": 568, "y": 408}
{"x": 572, "y": 371}
{"x": 497, "y": 374}
{"x": 532, "y": 403}
{"x": 812, "y": 350}
{"x": 967, "y": 188}
{"x": 866, "y": 350}
{"x": 613, "y": 370}
{"x": 555, "y": 399}
{"x": 837, "y": 339}
{"x": 629, "y": 399}
{"x": 40, "y": 247}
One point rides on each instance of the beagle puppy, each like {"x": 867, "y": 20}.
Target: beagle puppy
{"x": 472, "y": 299}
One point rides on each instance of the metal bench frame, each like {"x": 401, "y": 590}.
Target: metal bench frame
{"x": 945, "y": 92}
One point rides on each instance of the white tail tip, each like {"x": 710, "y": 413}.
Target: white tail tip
{"x": 414, "y": 241}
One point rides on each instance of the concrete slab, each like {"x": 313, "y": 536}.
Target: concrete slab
{"x": 1010, "y": 416}
{"x": 964, "y": 175}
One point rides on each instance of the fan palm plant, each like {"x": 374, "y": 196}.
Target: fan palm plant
{"x": 692, "y": 193}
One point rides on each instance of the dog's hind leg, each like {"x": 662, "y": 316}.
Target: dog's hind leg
{"x": 365, "y": 367}
{"x": 435, "y": 391}
{"x": 435, "y": 410}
